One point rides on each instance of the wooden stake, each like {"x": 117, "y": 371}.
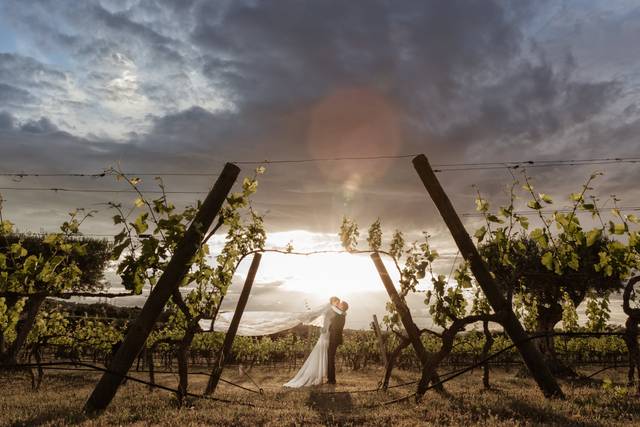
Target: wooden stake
{"x": 381, "y": 346}
{"x": 531, "y": 355}
{"x": 428, "y": 373}
{"x": 401, "y": 307}
{"x": 177, "y": 268}
{"x": 233, "y": 327}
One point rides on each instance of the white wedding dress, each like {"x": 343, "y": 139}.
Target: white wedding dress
{"x": 314, "y": 369}
{"x": 258, "y": 323}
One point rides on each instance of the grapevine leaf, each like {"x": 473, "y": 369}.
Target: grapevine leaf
{"x": 533, "y": 204}
{"x": 482, "y": 205}
{"x": 140, "y": 223}
{"x": 545, "y": 198}
{"x": 493, "y": 218}
{"x": 576, "y": 197}
{"x": 617, "y": 228}
{"x": 593, "y": 236}
{"x": 547, "y": 260}
{"x": 480, "y": 233}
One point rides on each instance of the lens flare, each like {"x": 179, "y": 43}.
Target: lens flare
{"x": 353, "y": 122}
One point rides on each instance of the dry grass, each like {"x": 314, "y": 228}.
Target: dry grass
{"x": 513, "y": 401}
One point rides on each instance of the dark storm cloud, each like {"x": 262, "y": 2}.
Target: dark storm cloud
{"x": 43, "y": 125}
{"x": 24, "y": 73}
{"x": 14, "y": 96}
{"x": 533, "y": 103}
{"x": 6, "y": 120}
{"x": 86, "y": 28}
{"x": 292, "y": 51}
{"x": 188, "y": 85}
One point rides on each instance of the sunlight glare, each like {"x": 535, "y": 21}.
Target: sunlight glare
{"x": 325, "y": 275}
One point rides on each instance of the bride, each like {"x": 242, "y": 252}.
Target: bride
{"x": 314, "y": 369}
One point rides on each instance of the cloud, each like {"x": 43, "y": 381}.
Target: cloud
{"x": 166, "y": 86}
{"x": 13, "y": 96}
{"x": 6, "y": 120}
{"x": 43, "y": 125}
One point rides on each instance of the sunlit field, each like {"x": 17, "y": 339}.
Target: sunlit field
{"x": 512, "y": 401}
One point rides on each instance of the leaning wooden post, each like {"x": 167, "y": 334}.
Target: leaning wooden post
{"x": 174, "y": 273}
{"x": 378, "y": 332}
{"x": 531, "y": 355}
{"x": 233, "y": 327}
{"x": 428, "y": 374}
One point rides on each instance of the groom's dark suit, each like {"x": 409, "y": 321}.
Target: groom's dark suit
{"x": 335, "y": 339}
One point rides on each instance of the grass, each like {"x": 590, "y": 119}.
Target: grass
{"x": 512, "y": 401}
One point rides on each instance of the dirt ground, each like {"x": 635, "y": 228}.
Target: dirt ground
{"x": 511, "y": 401}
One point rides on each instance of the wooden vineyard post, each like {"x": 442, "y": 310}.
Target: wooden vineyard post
{"x": 233, "y": 326}
{"x": 530, "y": 354}
{"x": 383, "y": 349}
{"x": 412, "y": 330}
{"x": 174, "y": 273}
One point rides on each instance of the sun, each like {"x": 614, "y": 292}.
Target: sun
{"x": 326, "y": 274}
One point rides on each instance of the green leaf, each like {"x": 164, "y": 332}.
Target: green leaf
{"x": 545, "y": 198}
{"x": 505, "y": 212}
{"x": 493, "y": 218}
{"x": 576, "y": 197}
{"x": 18, "y": 250}
{"x": 249, "y": 185}
{"x": 547, "y": 260}
{"x": 533, "y": 204}
{"x": 617, "y": 228}
{"x": 539, "y": 236}
{"x": 482, "y": 205}
{"x": 427, "y": 297}
{"x": 593, "y": 236}
{"x": 236, "y": 200}
{"x": 138, "y": 203}
{"x": 480, "y": 233}
{"x": 50, "y": 239}
{"x": 140, "y": 223}
{"x": 6, "y": 227}
{"x": 574, "y": 262}
{"x": 117, "y": 249}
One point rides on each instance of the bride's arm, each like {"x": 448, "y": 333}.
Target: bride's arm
{"x": 328, "y": 317}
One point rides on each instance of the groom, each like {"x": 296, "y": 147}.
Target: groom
{"x": 335, "y": 336}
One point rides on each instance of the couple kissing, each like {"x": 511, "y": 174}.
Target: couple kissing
{"x": 321, "y": 362}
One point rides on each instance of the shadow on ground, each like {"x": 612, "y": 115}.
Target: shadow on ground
{"x": 55, "y": 417}
{"x": 513, "y": 408}
{"x": 330, "y": 406}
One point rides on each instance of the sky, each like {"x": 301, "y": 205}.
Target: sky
{"x": 168, "y": 86}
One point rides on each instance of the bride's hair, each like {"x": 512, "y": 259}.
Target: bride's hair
{"x": 334, "y": 299}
